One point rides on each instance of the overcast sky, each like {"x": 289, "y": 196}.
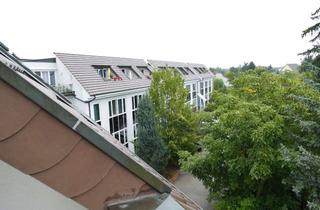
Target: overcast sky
{"x": 214, "y": 32}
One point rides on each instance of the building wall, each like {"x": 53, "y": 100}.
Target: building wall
{"x": 104, "y": 111}
{"x": 66, "y": 79}
{"x": 86, "y": 103}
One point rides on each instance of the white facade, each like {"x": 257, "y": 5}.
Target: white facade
{"x": 115, "y": 111}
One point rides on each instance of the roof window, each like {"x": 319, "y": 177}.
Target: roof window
{"x": 145, "y": 71}
{"x": 129, "y": 72}
{"x": 107, "y": 73}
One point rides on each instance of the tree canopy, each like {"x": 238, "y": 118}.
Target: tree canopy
{"x": 178, "y": 124}
{"x": 262, "y": 136}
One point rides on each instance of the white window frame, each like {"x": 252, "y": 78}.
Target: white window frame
{"x": 123, "y": 114}
{"x": 134, "y": 114}
{"x": 41, "y": 73}
{"x": 94, "y": 114}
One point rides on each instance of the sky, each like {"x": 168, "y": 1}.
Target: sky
{"x": 217, "y": 33}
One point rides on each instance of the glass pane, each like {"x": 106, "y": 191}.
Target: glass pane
{"x": 120, "y": 105}
{"x": 111, "y": 125}
{"x": 45, "y": 76}
{"x": 121, "y": 137}
{"x": 52, "y": 78}
{"x": 135, "y": 101}
{"x": 134, "y": 116}
{"x": 132, "y": 98}
{"x": 124, "y": 105}
{"x": 96, "y": 112}
{"x": 116, "y": 135}
{"x": 125, "y": 120}
{"x": 114, "y": 107}
{"x": 116, "y": 123}
{"x": 121, "y": 121}
{"x": 110, "y": 109}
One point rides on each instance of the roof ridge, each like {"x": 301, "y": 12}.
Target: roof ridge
{"x": 101, "y": 56}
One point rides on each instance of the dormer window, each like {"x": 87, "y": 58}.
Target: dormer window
{"x": 106, "y": 73}
{"x": 182, "y": 71}
{"x": 145, "y": 71}
{"x": 198, "y": 70}
{"x": 103, "y": 73}
{"x": 129, "y": 72}
{"x": 188, "y": 70}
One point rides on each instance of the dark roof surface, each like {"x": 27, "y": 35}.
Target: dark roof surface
{"x": 81, "y": 67}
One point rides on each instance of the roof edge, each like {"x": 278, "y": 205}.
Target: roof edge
{"x": 58, "y": 111}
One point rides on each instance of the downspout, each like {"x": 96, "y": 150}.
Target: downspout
{"x": 86, "y": 101}
{"x": 94, "y": 97}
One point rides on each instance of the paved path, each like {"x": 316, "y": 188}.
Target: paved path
{"x": 193, "y": 188}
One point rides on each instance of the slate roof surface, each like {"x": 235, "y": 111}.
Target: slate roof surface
{"x": 81, "y": 67}
{"x": 293, "y": 66}
{"x": 191, "y": 66}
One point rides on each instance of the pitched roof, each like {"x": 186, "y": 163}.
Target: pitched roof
{"x": 44, "y": 136}
{"x": 81, "y": 67}
{"x": 293, "y": 66}
{"x": 195, "y": 75}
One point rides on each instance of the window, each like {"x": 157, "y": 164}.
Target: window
{"x": 188, "y": 70}
{"x": 182, "y": 71}
{"x": 198, "y": 70}
{"x": 129, "y": 72}
{"x": 106, "y": 72}
{"x": 206, "y": 89}
{"x": 118, "y": 120}
{"x": 204, "y": 70}
{"x": 194, "y": 93}
{"x": 96, "y": 111}
{"x": 47, "y": 76}
{"x": 201, "y": 88}
{"x": 210, "y": 86}
{"x": 188, "y": 87}
{"x": 145, "y": 71}
{"x": 103, "y": 73}
{"x": 135, "y": 103}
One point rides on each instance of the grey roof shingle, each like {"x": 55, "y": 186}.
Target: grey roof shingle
{"x": 191, "y": 66}
{"x": 293, "y": 66}
{"x": 81, "y": 66}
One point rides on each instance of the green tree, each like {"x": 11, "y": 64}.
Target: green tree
{"x": 313, "y": 31}
{"x": 311, "y": 62}
{"x": 248, "y": 66}
{"x": 178, "y": 124}
{"x": 218, "y": 85}
{"x": 259, "y": 117}
{"x": 149, "y": 146}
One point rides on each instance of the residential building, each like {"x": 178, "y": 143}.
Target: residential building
{"x": 44, "y": 137}
{"x": 198, "y": 80}
{"x": 108, "y": 89}
{"x": 290, "y": 68}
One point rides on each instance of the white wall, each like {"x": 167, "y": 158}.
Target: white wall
{"x": 104, "y": 111}
{"x": 65, "y": 78}
{"x": 41, "y": 66}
